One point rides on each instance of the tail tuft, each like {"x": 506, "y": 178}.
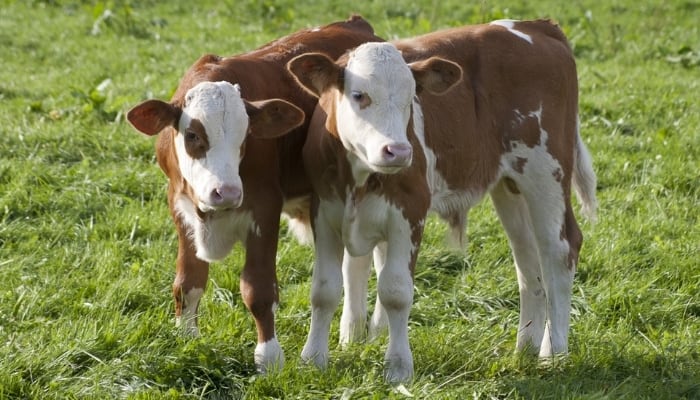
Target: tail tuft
{"x": 584, "y": 180}
{"x": 296, "y": 212}
{"x": 302, "y": 231}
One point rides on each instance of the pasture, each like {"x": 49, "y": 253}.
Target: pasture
{"x": 87, "y": 248}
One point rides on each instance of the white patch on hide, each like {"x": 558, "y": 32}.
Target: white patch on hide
{"x": 510, "y": 24}
{"x": 215, "y": 236}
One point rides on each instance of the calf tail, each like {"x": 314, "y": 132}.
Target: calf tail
{"x": 297, "y": 213}
{"x": 302, "y": 230}
{"x": 584, "y": 179}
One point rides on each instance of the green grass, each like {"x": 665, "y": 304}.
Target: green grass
{"x": 87, "y": 249}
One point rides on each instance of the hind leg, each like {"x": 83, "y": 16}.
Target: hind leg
{"x": 559, "y": 257}
{"x": 514, "y": 215}
{"x": 558, "y": 238}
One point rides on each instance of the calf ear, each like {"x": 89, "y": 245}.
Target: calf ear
{"x": 151, "y": 116}
{"x": 315, "y": 72}
{"x": 436, "y": 75}
{"x": 272, "y": 118}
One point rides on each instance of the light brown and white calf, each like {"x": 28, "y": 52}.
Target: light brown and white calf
{"x": 228, "y": 180}
{"x": 386, "y": 145}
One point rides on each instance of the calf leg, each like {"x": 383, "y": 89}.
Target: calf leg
{"x": 260, "y": 293}
{"x": 353, "y": 322}
{"x": 326, "y": 290}
{"x": 355, "y": 277}
{"x": 553, "y": 227}
{"x": 560, "y": 255}
{"x": 395, "y": 292}
{"x": 191, "y": 276}
{"x": 515, "y": 217}
{"x": 379, "y": 321}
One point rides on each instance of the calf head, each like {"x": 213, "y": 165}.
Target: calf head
{"x": 368, "y": 96}
{"x": 211, "y": 126}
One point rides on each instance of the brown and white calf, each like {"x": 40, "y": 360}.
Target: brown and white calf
{"x": 390, "y": 141}
{"x": 228, "y": 180}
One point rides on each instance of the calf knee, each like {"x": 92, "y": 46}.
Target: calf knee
{"x": 395, "y": 291}
{"x": 326, "y": 292}
{"x": 259, "y": 301}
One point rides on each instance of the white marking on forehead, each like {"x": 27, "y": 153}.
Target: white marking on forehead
{"x": 218, "y": 105}
{"x": 509, "y": 24}
{"x": 380, "y": 70}
{"x": 377, "y": 59}
{"x": 316, "y": 29}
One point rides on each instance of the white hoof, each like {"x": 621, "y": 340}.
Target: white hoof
{"x": 269, "y": 356}
{"x": 318, "y": 358}
{"x": 188, "y": 326}
{"x": 352, "y": 331}
{"x": 398, "y": 370}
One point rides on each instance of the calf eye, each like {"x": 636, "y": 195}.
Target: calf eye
{"x": 360, "y": 98}
{"x": 191, "y": 136}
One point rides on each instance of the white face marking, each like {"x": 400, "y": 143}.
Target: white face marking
{"x": 509, "y": 24}
{"x": 219, "y": 109}
{"x": 374, "y": 110}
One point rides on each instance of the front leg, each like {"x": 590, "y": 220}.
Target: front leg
{"x": 379, "y": 321}
{"x": 326, "y": 287}
{"x": 259, "y": 288}
{"x": 191, "y": 276}
{"x": 395, "y": 292}
{"x": 353, "y": 321}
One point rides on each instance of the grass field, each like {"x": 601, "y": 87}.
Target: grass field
{"x": 87, "y": 249}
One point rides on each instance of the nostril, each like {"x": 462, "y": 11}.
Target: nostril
{"x": 388, "y": 152}
{"x": 226, "y": 194}
{"x": 397, "y": 151}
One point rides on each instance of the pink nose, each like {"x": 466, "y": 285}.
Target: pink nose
{"x": 398, "y": 154}
{"x": 226, "y": 196}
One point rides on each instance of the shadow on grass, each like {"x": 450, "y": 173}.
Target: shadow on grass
{"x": 632, "y": 375}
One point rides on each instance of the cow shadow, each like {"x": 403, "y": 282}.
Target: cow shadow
{"x": 633, "y": 374}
